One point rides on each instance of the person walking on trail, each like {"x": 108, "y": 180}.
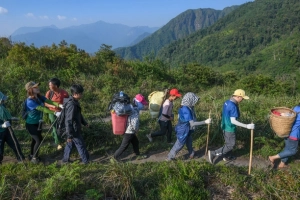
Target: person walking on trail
{"x": 166, "y": 117}
{"x": 73, "y": 122}
{"x": 291, "y": 143}
{"x": 35, "y": 107}
{"x": 186, "y": 125}
{"x": 130, "y": 135}
{"x": 5, "y": 134}
{"x": 230, "y": 114}
{"x": 55, "y": 94}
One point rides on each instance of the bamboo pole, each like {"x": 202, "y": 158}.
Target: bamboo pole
{"x": 207, "y": 138}
{"x": 251, "y": 149}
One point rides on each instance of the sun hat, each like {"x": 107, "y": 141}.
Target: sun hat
{"x": 140, "y": 98}
{"x": 174, "y": 92}
{"x": 31, "y": 84}
{"x": 240, "y": 93}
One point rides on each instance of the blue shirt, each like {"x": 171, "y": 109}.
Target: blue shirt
{"x": 34, "y": 115}
{"x": 230, "y": 109}
{"x": 182, "y": 128}
{"x": 295, "y": 132}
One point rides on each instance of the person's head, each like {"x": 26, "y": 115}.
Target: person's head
{"x": 239, "y": 95}
{"x": 32, "y": 88}
{"x": 189, "y": 99}
{"x": 140, "y": 101}
{"x": 54, "y": 84}
{"x": 3, "y": 98}
{"x": 174, "y": 94}
{"x": 76, "y": 91}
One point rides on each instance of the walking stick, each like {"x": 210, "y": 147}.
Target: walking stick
{"x": 251, "y": 148}
{"x": 207, "y": 138}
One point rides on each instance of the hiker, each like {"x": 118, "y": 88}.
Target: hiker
{"x": 186, "y": 125}
{"x": 73, "y": 122}
{"x": 166, "y": 117}
{"x": 5, "y": 134}
{"x": 140, "y": 101}
{"x": 55, "y": 94}
{"x": 291, "y": 143}
{"x": 130, "y": 135}
{"x": 35, "y": 107}
{"x": 230, "y": 114}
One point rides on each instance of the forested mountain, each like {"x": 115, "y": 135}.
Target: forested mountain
{"x": 179, "y": 27}
{"x": 88, "y": 37}
{"x": 261, "y": 36}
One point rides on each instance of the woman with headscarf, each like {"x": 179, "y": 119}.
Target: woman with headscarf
{"x": 186, "y": 125}
{"x": 7, "y": 135}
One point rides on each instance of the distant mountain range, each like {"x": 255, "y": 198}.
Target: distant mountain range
{"x": 88, "y": 37}
{"x": 179, "y": 27}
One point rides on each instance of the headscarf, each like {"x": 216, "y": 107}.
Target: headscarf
{"x": 189, "y": 99}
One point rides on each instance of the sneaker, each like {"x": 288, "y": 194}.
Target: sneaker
{"x": 35, "y": 160}
{"x": 149, "y": 137}
{"x": 59, "y": 147}
{"x": 192, "y": 155}
{"x": 229, "y": 158}
{"x": 211, "y": 156}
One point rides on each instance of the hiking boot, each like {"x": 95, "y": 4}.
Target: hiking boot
{"x": 229, "y": 158}
{"x": 211, "y": 156}
{"x": 35, "y": 160}
{"x": 149, "y": 137}
{"x": 192, "y": 155}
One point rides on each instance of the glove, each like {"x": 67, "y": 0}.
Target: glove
{"x": 250, "y": 126}
{"x": 208, "y": 121}
{"x": 57, "y": 114}
{"x": 6, "y": 124}
{"x": 61, "y": 106}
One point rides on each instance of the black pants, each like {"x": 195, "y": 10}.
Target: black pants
{"x": 127, "y": 139}
{"x": 165, "y": 128}
{"x": 5, "y": 136}
{"x": 36, "y": 138}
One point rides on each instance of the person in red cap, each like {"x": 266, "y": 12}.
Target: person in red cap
{"x": 166, "y": 117}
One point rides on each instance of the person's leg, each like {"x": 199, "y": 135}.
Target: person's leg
{"x": 228, "y": 145}
{"x": 175, "y": 149}
{"x": 135, "y": 144}
{"x": 125, "y": 143}
{"x": 2, "y": 141}
{"x": 169, "y": 131}
{"x": 189, "y": 145}
{"x": 81, "y": 148}
{"x": 57, "y": 139}
{"x": 13, "y": 143}
{"x": 36, "y": 138}
{"x": 162, "y": 131}
{"x": 67, "y": 151}
{"x": 290, "y": 149}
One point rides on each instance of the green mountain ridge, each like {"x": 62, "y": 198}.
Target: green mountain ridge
{"x": 179, "y": 27}
{"x": 260, "y": 36}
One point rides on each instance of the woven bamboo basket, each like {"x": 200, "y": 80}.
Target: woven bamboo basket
{"x": 282, "y": 125}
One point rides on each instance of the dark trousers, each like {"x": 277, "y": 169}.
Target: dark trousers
{"x": 127, "y": 139}
{"x": 9, "y": 138}
{"x": 36, "y": 138}
{"x": 165, "y": 128}
{"x": 229, "y": 144}
{"x": 81, "y": 148}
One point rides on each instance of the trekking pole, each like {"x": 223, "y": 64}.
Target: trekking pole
{"x": 207, "y": 138}
{"x": 44, "y": 137}
{"x": 251, "y": 148}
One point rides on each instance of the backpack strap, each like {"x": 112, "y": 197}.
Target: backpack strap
{"x": 51, "y": 94}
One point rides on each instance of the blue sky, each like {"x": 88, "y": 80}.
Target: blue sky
{"x": 63, "y": 13}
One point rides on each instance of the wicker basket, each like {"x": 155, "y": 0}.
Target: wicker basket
{"x": 282, "y": 125}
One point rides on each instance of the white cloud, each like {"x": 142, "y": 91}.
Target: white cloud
{"x": 44, "y": 17}
{"x": 29, "y": 15}
{"x": 61, "y": 17}
{"x": 74, "y": 19}
{"x": 3, "y": 10}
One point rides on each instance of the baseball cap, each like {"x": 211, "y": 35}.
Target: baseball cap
{"x": 240, "y": 93}
{"x": 174, "y": 92}
{"x": 31, "y": 84}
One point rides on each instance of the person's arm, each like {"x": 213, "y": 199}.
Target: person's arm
{"x": 44, "y": 109}
{"x": 165, "y": 110}
{"x": 83, "y": 121}
{"x": 47, "y": 101}
{"x": 193, "y": 123}
{"x": 237, "y": 123}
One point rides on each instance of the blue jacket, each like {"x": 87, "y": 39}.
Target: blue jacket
{"x": 295, "y": 132}
{"x": 182, "y": 128}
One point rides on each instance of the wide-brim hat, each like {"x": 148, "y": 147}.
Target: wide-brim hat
{"x": 31, "y": 84}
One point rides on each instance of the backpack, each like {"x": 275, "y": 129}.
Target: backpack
{"x": 60, "y": 123}
{"x": 120, "y": 97}
{"x": 24, "y": 110}
{"x": 51, "y": 94}
{"x": 156, "y": 99}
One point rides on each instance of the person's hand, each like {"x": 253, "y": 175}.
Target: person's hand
{"x": 57, "y": 114}
{"x": 250, "y": 126}
{"x": 61, "y": 106}
{"x": 6, "y": 124}
{"x": 208, "y": 121}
